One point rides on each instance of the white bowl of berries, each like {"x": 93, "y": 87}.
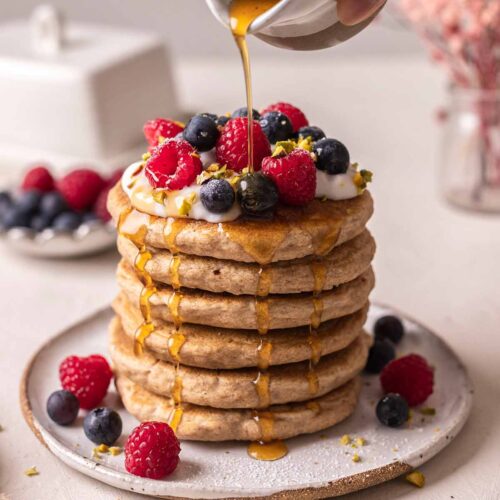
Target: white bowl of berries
{"x": 67, "y": 217}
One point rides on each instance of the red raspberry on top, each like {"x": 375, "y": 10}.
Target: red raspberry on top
{"x": 294, "y": 174}
{"x": 87, "y": 378}
{"x": 410, "y": 376}
{"x": 152, "y": 450}
{"x": 294, "y": 114}
{"x": 38, "y": 178}
{"x": 173, "y": 165}
{"x": 80, "y": 188}
{"x": 160, "y": 127}
{"x": 232, "y": 146}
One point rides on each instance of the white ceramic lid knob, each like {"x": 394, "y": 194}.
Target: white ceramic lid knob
{"x": 47, "y": 30}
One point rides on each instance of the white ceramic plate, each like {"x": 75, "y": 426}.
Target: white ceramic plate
{"x": 316, "y": 465}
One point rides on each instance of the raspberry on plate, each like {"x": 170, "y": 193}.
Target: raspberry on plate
{"x": 161, "y": 127}
{"x": 232, "y": 146}
{"x": 174, "y": 164}
{"x": 80, "y": 188}
{"x": 87, "y": 378}
{"x": 152, "y": 450}
{"x": 410, "y": 376}
{"x": 294, "y": 114}
{"x": 38, "y": 178}
{"x": 100, "y": 206}
{"x": 294, "y": 174}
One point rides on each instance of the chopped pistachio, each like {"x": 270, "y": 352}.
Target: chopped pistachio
{"x": 159, "y": 195}
{"x": 345, "y": 439}
{"x": 416, "y": 478}
{"x": 356, "y": 458}
{"x": 282, "y": 148}
{"x": 102, "y": 448}
{"x": 32, "y": 471}
{"x": 146, "y": 156}
{"x": 305, "y": 143}
{"x": 115, "y": 450}
{"x": 360, "y": 441}
{"x": 186, "y": 203}
{"x": 428, "y": 411}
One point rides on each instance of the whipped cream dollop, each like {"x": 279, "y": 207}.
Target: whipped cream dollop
{"x": 338, "y": 186}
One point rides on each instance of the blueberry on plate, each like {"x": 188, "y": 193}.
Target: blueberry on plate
{"x": 39, "y": 222}
{"x": 62, "y": 407}
{"x": 67, "y": 221}
{"x": 217, "y": 195}
{"x": 381, "y": 352}
{"x": 14, "y": 217}
{"x": 277, "y": 126}
{"x": 331, "y": 156}
{"x": 52, "y": 204}
{"x": 212, "y": 116}
{"x": 201, "y": 132}
{"x": 102, "y": 426}
{"x": 315, "y": 133}
{"x": 5, "y": 201}
{"x": 392, "y": 410}
{"x": 389, "y": 327}
{"x": 222, "y": 120}
{"x": 242, "y": 112}
{"x": 28, "y": 201}
{"x": 89, "y": 217}
{"x": 257, "y": 194}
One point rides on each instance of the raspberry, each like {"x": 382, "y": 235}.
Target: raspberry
{"x": 294, "y": 175}
{"x": 294, "y": 114}
{"x": 409, "y": 376}
{"x": 152, "y": 450}
{"x": 232, "y": 145}
{"x": 100, "y": 206}
{"x": 38, "y": 178}
{"x": 87, "y": 378}
{"x": 160, "y": 127}
{"x": 80, "y": 188}
{"x": 173, "y": 165}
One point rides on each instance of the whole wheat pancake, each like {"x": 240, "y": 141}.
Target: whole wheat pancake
{"x": 293, "y": 233}
{"x": 210, "y": 424}
{"x": 342, "y": 264}
{"x": 246, "y": 312}
{"x": 237, "y": 388}
{"x": 220, "y": 348}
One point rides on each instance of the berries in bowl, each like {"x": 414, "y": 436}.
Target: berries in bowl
{"x": 58, "y": 217}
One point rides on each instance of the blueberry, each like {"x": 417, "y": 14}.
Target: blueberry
{"x": 62, "y": 407}
{"x": 201, "y": 132}
{"x": 39, "y": 222}
{"x": 5, "y": 202}
{"x": 381, "y": 352}
{"x": 102, "y": 425}
{"x": 257, "y": 194}
{"x": 52, "y": 204}
{"x": 276, "y": 126}
{"x": 89, "y": 217}
{"x": 67, "y": 221}
{"x": 242, "y": 112}
{"x": 212, "y": 116}
{"x": 392, "y": 410}
{"x": 332, "y": 156}
{"x": 222, "y": 120}
{"x": 389, "y": 327}
{"x": 217, "y": 195}
{"x": 28, "y": 201}
{"x": 315, "y": 133}
{"x": 14, "y": 217}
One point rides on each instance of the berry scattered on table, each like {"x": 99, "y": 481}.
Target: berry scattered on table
{"x": 100, "y": 208}
{"x": 5, "y": 201}
{"x": 114, "y": 177}
{"x": 232, "y": 146}
{"x": 331, "y": 156}
{"x": 174, "y": 164}
{"x": 87, "y": 378}
{"x": 38, "y": 178}
{"x": 102, "y": 426}
{"x": 67, "y": 221}
{"x": 315, "y": 133}
{"x": 389, "y": 327}
{"x": 243, "y": 113}
{"x": 39, "y": 222}
{"x": 276, "y": 126}
{"x": 392, "y": 410}
{"x": 52, "y": 204}
{"x": 152, "y": 450}
{"x": 257, "y": 194}
{"x": 217, "y": 195}
{"x": 13, "y": 217}
{"x": 294, "y": 174}
{"x": 80, "y": 188}
{"x": 201, "y": 132}
{"x": 62, "y": 407}
{"x": 28, "y": 201}
{"x": 411, "y": 376}
{"x": 381, "y": 352}
{"x": 295, "y": 115}
{"x": 161, "y": 128}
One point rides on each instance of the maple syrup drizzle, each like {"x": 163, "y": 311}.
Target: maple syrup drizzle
{"x": 267, "y": 448}
{"x": 264, "y": 354}
{"x": 175, "y": 279}
{"x": 313, "y": 406}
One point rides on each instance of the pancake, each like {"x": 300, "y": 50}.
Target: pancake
{"x": 237, "y": 388}
{"x": 210, "y": 424}
{"x": 246, "y": 312}
{"x": 344, "y": 263}
{"x": 220, "y": 348}
{"x": 293, "y": 232}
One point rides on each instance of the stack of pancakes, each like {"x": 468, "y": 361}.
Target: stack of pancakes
{"x": 245, "y": 330}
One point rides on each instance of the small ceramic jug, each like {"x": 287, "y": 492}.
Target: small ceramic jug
{"x": 307, "y": 25}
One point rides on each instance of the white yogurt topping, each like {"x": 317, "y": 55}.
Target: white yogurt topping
{"x": 338, "y": 186}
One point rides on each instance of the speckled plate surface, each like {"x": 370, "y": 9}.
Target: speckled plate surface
{"x": 316, "y": 466}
